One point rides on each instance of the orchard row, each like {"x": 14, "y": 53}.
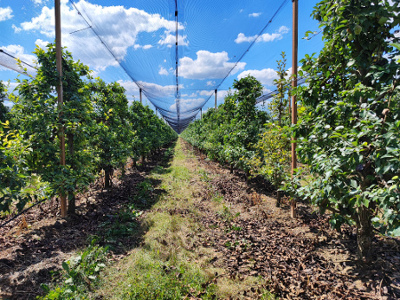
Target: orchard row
{"x": 348, "y": 131}
{"x": 101, "y": 133}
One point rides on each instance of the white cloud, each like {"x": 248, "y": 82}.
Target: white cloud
{"x": 266, "y": 91}
{"x": 208, "y": 65}
{"x": 16, "y": 29}
{"x": 241, "y": 38}
{"x": 210, "y": 83}
{"x": 145, "y": 47}
{"x": 119, "y": 28}
{"x": 130, "y": 87}
{"x": 19, "y": 52}
{"x": 153, "y": 89}
{"x": 255, "y": 15}
{"x": 159, "y": 91}
{"x": 192, "y": 95}
{"x": 266, "y": 37}
{"x": 283, "y": 29}
{"x": 42, "y": 44}
{"x": 5, "y": 13}
{"x": 163, "y": 71}
{"x": 39, "y": 2}
{"x": 265, "y": 76}
{"x": 170, "y": 40}
{"x": 187, "y": 104}
{"x": 206, "y": 93}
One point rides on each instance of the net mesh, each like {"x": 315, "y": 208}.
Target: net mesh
{"x": 177, "y": 54}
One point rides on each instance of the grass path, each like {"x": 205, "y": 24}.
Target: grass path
{"x": 171, "y": 262}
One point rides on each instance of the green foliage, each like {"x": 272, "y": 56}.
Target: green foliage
{"x": 279, "y": 105}
{"x": 81, "y": 274}
{"x": 227, "y": 215}
{"x": 17, "y": 186}
{"x": 163, "y": 281}
{"x": 248, "y": 90}
{"x": 120, "y": 226}
{"x": 151, "y": 132}
{"x": 229, "y": 133}
{"x": 351, "y": 127}
{"x": 100, "y": 131}
{"x": 273, "y": 154}
{"x": 144, "y": 197}
{"x": 35, "y": 112}
{"x": 3, "y": 108}
{"x": 112, "y": 133}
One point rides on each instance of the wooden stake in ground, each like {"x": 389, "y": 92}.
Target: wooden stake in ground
{"x": 294, "y": 85}
{"x": 63, "y": 198}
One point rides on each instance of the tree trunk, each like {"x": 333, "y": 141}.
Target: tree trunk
{"x": 71, "y": 204}
{"x": 107, "y": 177}
{"x": 71, "y": 196}
{"x": 293, "y": 205}
{"x": 364, "y": 232}
{"x": 231, "y": 170}
{"x": 278, "y": 199}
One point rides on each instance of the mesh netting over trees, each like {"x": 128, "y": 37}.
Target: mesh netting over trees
{"x": 176, "y": 54}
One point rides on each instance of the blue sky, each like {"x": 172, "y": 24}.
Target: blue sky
{"x": 140, "y": 39}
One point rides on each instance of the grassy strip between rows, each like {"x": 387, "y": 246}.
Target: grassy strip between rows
{"x": 165, "y": 266}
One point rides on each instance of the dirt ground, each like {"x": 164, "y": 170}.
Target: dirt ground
{"x": 300, "y": 258}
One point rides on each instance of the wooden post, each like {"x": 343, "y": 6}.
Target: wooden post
{"x": 140, "y": 91}
{"x": 294, "y": 85}
{"x": 57, "y": 12}
{"x": 215, "y": 99}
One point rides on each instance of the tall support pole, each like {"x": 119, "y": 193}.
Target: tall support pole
{"x": 294, "y": 85}
{"x": 57, "y": 11}
{"x": 140, "y": 92}
{"x": 215, "y": 99}
{"x": 201, "y": 113}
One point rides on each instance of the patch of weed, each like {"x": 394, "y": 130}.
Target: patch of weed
{"x": 144, "y": 197}
{"x": 204, "y": 176}
{"x": 227, "y": 215}
{"x": 81, "y": 274}
{"x": 164, "y": 281}
{"x": 117, "y": 227}
{"x": 218, "y": 198}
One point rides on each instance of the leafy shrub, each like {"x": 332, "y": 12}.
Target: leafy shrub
{"x": 17, "y": 185}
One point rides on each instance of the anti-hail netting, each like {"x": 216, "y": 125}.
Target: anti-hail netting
{"x": 177, "y": 52}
